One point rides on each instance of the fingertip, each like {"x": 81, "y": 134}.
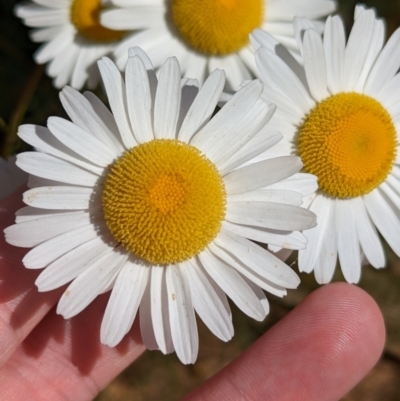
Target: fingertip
{"x": 354, "y": 315}
{"x": 319, "y": 351}
{"x": 338, "y": 333}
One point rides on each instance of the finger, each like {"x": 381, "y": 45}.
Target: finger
{"x": 318, "y": 352}
{"x": 21, "y": 306}
{"x": 63, "y": 360}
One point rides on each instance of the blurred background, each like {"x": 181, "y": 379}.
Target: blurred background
{"x": 27, "y": 96}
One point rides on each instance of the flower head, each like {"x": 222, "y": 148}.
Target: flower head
{"x": 73, "y": 38}
{"x": 208, "y": 34}
{"x": 339, "y": 113}
{"x": 154, "y": 202}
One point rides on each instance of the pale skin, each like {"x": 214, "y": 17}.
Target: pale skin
{"x": 319, "y": 351}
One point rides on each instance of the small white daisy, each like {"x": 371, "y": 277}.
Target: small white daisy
{"x": 151, "y": 201}
{"x": 11, "y": 177}
{"x": 73, "y": 38}
{"x": 341, "y": 114}
{"x": 208, "y": 34}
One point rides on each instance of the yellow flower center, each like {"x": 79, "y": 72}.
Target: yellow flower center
{"x": 349, "y": 142}
{"x": 85, "y": 17}
{"x": 217, "y": 27}
{"x": 164, "y": 201}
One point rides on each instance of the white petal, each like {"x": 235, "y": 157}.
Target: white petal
{"x": 259, "y": 294}
{"x": 146, "y": 324}
{"x": 357, "y": 49}
{"x": 348, "y": 244}
{"x": 258, "y": 259}
{"x": 389, "y": 93}
{"x": 66, "y": 60}
{"x": 168, "y": 98}
{"x": 48, "y": 251}
{"x": 56, "y": 45}
{"x": 203, "y": 106}
{"x": 260, "y": 38}
{"x": 246, "y": 54}
{"x": 72, "y": 264}
{"x": 286, "y": 10}
{"x": 80, "y": 72}
{"x": 226, "y": 120}
{"x": 115, "y": 88}
{"x": 334, "y": 45}
{"x": 300, "y": 26}
{"x": 137, "y": 51}
{"x": 159, "y": 310}
{"x": 36, "y": 15}
{"x": 196, "y": 66}
{"x": 282, "y": 79}
{"x": 384, "y": 215}
{"x": 328, "y": 249}
{"x": 59, "y": 197}
{"x": 124, "y": 302}
{"x": 135, "y": 18}
{"x": 88, "y": 112}
{"x": 309, "y": 256}
{"x": 255, "y": 146}
{"x": 139, "y": 99}
{"x": 268, "y": 195}
{"x": 44, "y": 141}
{"x": 241, "y": 134}
{"x": 44, "y": 34}
{"x": 315, "y": 65}
{"x": 182, "y": 320}
{"x": 189, "y": 92}
{"x": 233, "y": 285}
{"x": 236, "y": 70}
{"x": 246, "y": 271}
{"x": 359, "y": 9}
{"x": 287, "y": 109}
{"x": 206, "y": 301}
{"x": 270, "y": 215}
{"x": 32, "y": 233}
{"x": 91, "y": 283}
{"x": 301, "y": 182}
{"x": 378, "y": 39}
{"x": 368, "y": 236}
{"x": 261, "y": 174}
{"x": 290, "y": 240}
{"x": 386, "y": 65}
{"x": 393, "y": 182}
{"x": 29, "y": 213}
{"x": 50, "y": 167}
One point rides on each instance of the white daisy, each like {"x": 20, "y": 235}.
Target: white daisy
{"x": 208, "y": 34}
{"x": 73, "y": 38}
{"x": 11, "y": 177}
{"x": 341, "y": 114}
{"x": 151, "y": 202}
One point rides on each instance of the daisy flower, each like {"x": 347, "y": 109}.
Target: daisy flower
{"x": 208, "y": 34}
{"x": 73, "y": 38}
{"x": 341, "y": 114}
{"x": 11, "y": 177}
{"x": 151, "y": 201}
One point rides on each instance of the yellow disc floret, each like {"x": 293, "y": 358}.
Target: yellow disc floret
{"x": 164, "y": 201}
{"x": 349, "y": 142}
{"x": 217, "y": 27}
{"x": 85, "y": 15}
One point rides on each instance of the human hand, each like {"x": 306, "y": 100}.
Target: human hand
{"x": 319, "y": 351}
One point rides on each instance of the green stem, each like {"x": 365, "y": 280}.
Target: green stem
{"x": 18, "y": 114}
